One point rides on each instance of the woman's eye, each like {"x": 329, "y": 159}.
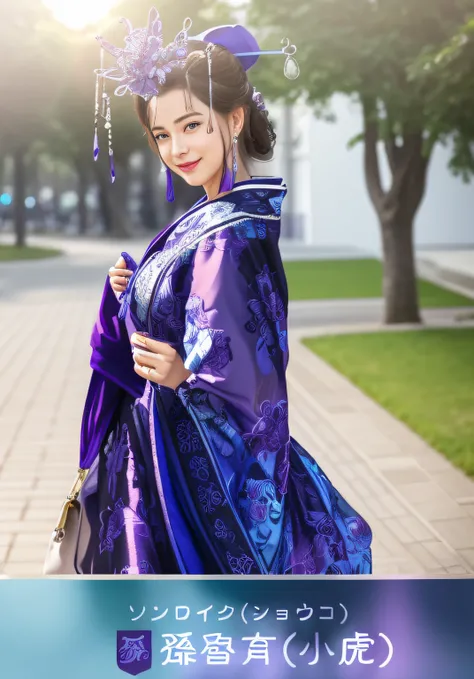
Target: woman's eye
{"x": 192, "y": 126}
{"x": 161, "y": 136}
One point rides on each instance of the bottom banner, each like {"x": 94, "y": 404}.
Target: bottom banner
{"x": 333, "y": 628}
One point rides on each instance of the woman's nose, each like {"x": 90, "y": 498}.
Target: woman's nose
{"x": 178, "y": 146}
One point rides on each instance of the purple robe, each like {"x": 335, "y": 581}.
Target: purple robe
{"x": 206, "y": 478}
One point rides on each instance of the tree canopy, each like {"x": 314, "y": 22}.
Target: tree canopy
{"x": 447, "y": 74}
{"x": 371, "y": 50}
{"x": 367, "y": 49}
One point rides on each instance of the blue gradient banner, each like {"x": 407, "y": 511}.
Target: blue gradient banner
{"x": 333, "y": 628}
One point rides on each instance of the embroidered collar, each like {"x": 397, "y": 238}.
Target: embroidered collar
{"x": 258, "y": 195}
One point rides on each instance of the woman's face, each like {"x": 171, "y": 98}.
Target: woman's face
{"x": 182, "y": 138}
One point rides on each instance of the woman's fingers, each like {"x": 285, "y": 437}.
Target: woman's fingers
{"x": 119, "y": 276}
{"x": 114, "y": 271}
{"x": 148, "y": 373}
{"x": 155, "y": 346}
{"x": 119, "y": 283}
{"x": 121, "y": 263}
{"x": 147, "y": 358}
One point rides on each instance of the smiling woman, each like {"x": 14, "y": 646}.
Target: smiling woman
{"x": 201, "y": 143}
{"x": 77, "y": 14}
{"x": 185, "y": 429}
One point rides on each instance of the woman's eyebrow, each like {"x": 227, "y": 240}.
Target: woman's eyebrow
{"x": 178, "y": 120}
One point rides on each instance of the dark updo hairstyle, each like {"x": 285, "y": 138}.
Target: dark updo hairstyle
{"x": 230, "y": 90}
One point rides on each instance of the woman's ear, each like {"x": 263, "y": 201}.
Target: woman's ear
{"x": 238, "y": 116}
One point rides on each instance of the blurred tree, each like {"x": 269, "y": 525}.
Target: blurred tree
{"x": 47, "y": 96}
{"x": 70, "y": 131}
{"x": 448, "y": 76}
{"x": 365, "y": 49}
{"x": 25, "y": 92}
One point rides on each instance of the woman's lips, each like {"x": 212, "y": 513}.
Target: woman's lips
{"x": 188, "y": 167}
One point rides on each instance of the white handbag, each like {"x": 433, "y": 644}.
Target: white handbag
{"x": 61, "y": 553}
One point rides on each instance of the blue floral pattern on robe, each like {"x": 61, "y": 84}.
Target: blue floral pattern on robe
{"x": 207, "y": 479}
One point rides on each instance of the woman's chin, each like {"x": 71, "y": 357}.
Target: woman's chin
{"x": 193, "y": 181}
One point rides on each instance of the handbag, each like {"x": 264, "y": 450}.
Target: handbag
{"x": 61, "y": 553}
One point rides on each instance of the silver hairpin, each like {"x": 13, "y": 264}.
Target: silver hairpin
{"x": 209, "y": 49}
{"x": 290, "y": 62}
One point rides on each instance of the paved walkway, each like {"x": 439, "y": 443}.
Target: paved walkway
{"x": 454, "y": 268}
{"x": 420, "y": 507}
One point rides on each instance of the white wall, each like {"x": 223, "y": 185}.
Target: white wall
{"x": 329, "y": 186}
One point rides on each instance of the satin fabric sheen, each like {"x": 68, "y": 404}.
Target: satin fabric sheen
{"x": 207, "y": 478}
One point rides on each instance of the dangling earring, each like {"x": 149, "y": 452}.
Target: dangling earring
{"x": 169, "y": 186}
{"x": 234, "y": 159}
{"x": 228, "y": 179}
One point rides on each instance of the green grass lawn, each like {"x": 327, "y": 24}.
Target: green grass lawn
{"x": 10, "y": 253}
{"x": 425, "y": 378}
{"x": 356, "y": 278}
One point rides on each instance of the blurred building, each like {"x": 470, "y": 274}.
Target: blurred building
{"x": 328, "y": 206}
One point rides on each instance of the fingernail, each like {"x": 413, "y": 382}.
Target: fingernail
{"x": 140, "y": 352}
{"x": 137, "y": 339}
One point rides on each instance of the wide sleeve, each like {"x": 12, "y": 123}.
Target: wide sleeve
{"x": 235, "y": 340}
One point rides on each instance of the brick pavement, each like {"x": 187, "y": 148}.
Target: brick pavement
{"x": 420, "y": 507}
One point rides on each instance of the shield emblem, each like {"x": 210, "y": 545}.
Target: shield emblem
{"x": 134, "y": 651}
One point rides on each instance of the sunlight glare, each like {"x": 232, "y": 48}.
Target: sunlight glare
{"x": 77, "y": 14}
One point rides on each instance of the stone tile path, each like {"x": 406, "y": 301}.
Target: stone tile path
{"x": 421, "y": 508}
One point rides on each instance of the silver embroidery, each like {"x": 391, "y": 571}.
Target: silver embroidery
{"x": 186, "y": 236}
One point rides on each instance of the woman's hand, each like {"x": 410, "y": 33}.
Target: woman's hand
{"x": 158, "y": 362}
{"x": 119, "y": 276}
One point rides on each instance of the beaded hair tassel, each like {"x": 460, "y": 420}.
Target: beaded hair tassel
{"x": 141, "y": 67}
{"x": 101, "y": 97}
{"x": 96, "y": 147}
{"x": 108, "y": 127}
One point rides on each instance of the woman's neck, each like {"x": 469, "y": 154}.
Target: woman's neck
{"x": 212, "y": 189}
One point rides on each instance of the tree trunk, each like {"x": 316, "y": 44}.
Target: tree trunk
{"x": 112, "y": 201}
{"x": 32, "y": 188}
{"x": 149, "y": 189}
{"x": 399, "y": 276}
{"x": 104, "y": 203}
{"x": 56, "y": 200}
{"x": 82, "y": 186}
{"x": 2, "y": 172}
{"x": 396, "y": 209}
{"x": 19, "y": 183}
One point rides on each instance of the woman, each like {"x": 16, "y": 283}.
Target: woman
{"x": 195, "y": 470}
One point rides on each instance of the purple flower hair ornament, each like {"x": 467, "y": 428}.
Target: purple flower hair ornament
{"x": 258, "y": 99}
{"x": 142, "y": 65}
